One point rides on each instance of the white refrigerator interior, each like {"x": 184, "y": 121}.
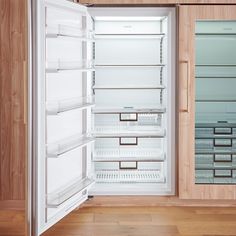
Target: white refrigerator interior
{"x": 105, "y": 105}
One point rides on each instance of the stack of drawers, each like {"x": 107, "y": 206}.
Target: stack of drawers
{"x": 215, "y": 153}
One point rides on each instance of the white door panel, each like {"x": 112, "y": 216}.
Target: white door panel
{"x": 63, "y": 126}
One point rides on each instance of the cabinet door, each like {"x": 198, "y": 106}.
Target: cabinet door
{"x": 207, "y": 102}
{"x": 63, "y": 101}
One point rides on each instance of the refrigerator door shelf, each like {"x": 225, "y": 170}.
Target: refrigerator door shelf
{"x": 56, "y": 107}
{"x": 60, "y": 30}
{"x": 56, "y": 199}
{"x": 59, "y": 65}
{"x": 55, "y": 150}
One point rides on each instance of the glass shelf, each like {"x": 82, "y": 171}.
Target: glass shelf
{"x": 131, "y": 154}
{"x": 216, "y": 65}
{"x": 129, "y": 176}
{"x": 216, "y": 125}
{"x": 57, "y": 198}
{"x": 59, "y": 65}
{"x": 215, "y": 136}
{"x": 131, "y": 66}
{"x": 55, "y": 150}
{"x": 128, "y": 131}
{"x": 212, "y": 167}
{"x": 129, "y": 36}
{"x": 128, "y": 87}
{"x": 215, "y": 151}
{"x": 117, "y": 110}
{"x": 56, "y": 107}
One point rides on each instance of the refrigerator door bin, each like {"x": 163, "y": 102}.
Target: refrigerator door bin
{"x": 60, "y": 30}
{"x": 57, "y": 198}
{"x": 57, "y": 149}
{"x": 56, "y": 107}
{"x": 54, "y": 66}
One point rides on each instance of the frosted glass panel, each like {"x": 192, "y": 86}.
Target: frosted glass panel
{"x": 215, "y": 49}
{"x": 215, "y": 102}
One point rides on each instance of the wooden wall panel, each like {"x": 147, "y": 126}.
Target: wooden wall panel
{"x": 13, "y": 52}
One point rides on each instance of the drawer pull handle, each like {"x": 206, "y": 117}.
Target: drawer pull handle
{"x": 223, "y": 131}
{"x": 184, "y": 73}
{"x": 218, "y": 158}
{"x": 128, "y": 165}
{"x": 128, "y": 117}
{"x": 217, "y": 143}
{"x": 128, "y": 141}
{"x": 218, "y": 174}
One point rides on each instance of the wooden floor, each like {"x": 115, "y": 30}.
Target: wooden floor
{"x": 133, "y": 221}
{"x": 12, "y": 223}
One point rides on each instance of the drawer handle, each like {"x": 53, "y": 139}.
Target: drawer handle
{"x": 128, "y": 165}
{"x": 128, "y": 141}
{"x": 230, "y": 175}
{"x": 223, "y": 144}
{"x": 226, "y": 131}
{"x": 217, "y": 158}
{"x": 128, "y": 117}
{"x": 184, "y": 73}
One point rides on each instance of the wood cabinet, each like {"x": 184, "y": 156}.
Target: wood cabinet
{"x": 188, "y": 15}
{"x": 13, "y": 99}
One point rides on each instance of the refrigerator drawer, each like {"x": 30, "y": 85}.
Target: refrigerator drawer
{"x": 129, "y": 149}
{"x": 141, "y": 172}
{"x": 216, "y": 176}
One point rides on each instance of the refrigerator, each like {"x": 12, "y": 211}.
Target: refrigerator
{"x": 103, "y": 105}
{"x": 215, "y": 159}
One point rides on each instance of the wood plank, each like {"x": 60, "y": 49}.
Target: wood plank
{"x": 12, "y": 204}
{"x": 13, "y": 53}
{"x": 149, "y": 201}
{"x": 168, "y": 221}
{"x": 137, "y": 221}
{"x": 12, "y": 223}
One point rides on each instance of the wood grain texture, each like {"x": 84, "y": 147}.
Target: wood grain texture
{"x": 121, "y": 201}
{"x": 132, "y": 221}
{"x": 13, "y": 52}
{"x": 187, "y": 187}
{"x": 12, "y": 205}
{"x": 150, "y": 221}
{"x": 12, "y": 223}
{"x": 165, "y": 2}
